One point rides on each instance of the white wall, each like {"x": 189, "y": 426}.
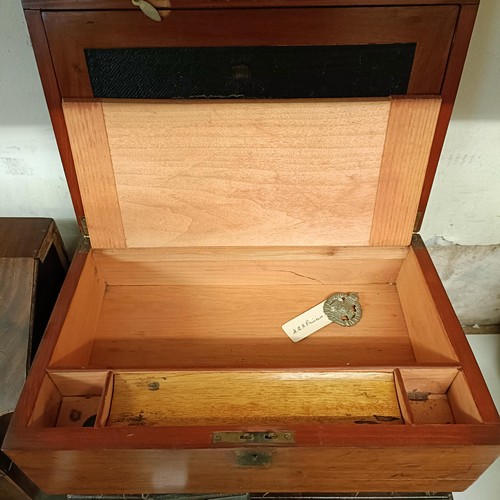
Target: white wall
{"x": 464, "y": 207}
{"x": 32, "y": 181}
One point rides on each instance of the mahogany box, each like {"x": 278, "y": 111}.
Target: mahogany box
{"x": 233, "y": 164}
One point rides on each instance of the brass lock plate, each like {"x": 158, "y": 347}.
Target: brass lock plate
{"x": 252, "y": 458}
{"x": 243, "y": 437}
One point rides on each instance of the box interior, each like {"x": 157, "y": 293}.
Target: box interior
{"x": 147, "y": 327}
{"x": 198, "y": 214}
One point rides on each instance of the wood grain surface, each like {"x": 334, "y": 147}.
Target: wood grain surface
{"x": 16, "y": 300}
{"x": 423, "y": 318}
{"x": 26, "y": 237}
{"x": 250, "y": 266}
{"x": 240, "y": 326}
{"x": 431, "y": 468}
{"x": 76, "y": 333}
{"x": 406, "y": 154}
{"x": 253, "y": 398}
{"x": 246, "y": 172}
{"x": 94, "y": 169}
{"x": 434, "y": 410}
{"x": 462, "y": 402}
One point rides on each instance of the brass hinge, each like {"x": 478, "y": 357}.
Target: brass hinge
{"x": 85, "y": 229}
{"x": 418, "y": 222}
{"x": 85, "y": 246}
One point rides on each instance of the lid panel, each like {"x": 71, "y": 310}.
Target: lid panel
{"x": 249, "y": 173}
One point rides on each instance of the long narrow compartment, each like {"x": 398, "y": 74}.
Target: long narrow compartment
{"x": 265, "y": 399}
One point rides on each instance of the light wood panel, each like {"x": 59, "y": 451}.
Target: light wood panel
{"x": 77, "y": 332}
{"x": 215, "y": 173}
{"x": 404, "y": 403}
{"x": 232, "y": 326}
{"x": 79, "y": 383}
{"x": 407, "y": 147}
{"x": 252, "y": 398}
{"x": 262, "y": 266}
{"x": 47, "y": 404}
{"x": 433, "y": 380}
{"x": 428, "y": 335}
{"x": 434, "y": 410}
{"x": 94, "y": 170}
{"x": 462, "y": 402}
{"x": 105, "y": 404}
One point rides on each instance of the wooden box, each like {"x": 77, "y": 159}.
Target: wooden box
{"x": 213, "y": 222}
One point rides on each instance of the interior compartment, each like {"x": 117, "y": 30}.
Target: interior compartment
{"x": 264, "y": 398}
{"x": 224, "y": 308}
{"x": 436, "y": 396}
{"x": 72, "y": 399}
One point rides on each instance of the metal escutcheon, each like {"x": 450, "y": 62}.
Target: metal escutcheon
{"x": 343, "y": 308}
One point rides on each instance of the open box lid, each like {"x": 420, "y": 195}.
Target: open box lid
{"x": 251, "y": 173}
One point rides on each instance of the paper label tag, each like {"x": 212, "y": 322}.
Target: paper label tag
{"x": 306, "y": 323}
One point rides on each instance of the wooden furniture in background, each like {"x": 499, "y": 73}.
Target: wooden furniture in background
{"x": 33, "y": 264}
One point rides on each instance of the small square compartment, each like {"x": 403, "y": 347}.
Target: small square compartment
{"x": 436, "y": 396}
{"x": 72, "y": 399}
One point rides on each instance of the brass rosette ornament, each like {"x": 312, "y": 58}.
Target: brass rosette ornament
{"x": 343, "y": 309}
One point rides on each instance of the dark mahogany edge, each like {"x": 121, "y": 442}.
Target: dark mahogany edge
{"x": 471, "y": 369}
{"x": 224, "y": 4}
{"x": 306, "y": 436}
{"x": 54, "y": 103}
{"x": 35, "y": 377}
{"x": 456, "y": 62}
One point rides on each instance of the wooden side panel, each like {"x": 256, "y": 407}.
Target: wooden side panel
{"x": 404, "y": 468}
{"x": 77, "y": 333}
{"x": 94, "y": 170}
{"x": 428, "y": 334}
{"x": 212, "y": 173}
{"x": 79, "y": 383}
{"x": 258, "y": 266}
{"x": 461, "y": 401}
{"x": 406, "y": 153}
{"x": 455, "y": 334}
{"x": 47, "y": 405}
